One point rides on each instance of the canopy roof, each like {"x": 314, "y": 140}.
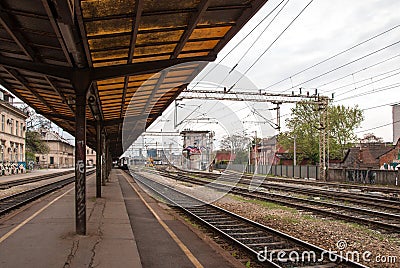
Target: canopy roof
{"x": 50, "y": 49}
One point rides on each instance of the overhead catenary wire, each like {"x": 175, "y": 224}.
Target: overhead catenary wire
{"x": 240, "y": 42}
{"x": 343, "y": 65}
{"x": 254, "y": 42}
{"x": 377, "y": 127}
{"x": 269, "y": 47}
{"x": 384, "y": 88}
{"x": 334, "y": 56}
{"x": 353, "y": 73}
{"x": 373, "y": 82}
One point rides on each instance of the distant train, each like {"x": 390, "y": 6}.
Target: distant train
{"x": 123, "y": 163}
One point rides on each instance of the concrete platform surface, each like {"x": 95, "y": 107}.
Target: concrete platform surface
{"x": 43, "y": 235}
{"x": 31, "y": 174}
{"x": 157, "y": 248}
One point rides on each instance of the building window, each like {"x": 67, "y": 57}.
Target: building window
{"x": 2, "y": 151}
{"x": 16, "y": 152}
{"x": 12, "y": 126}
{"x": 51, "y": 160}
{"x": 22, "y": 130}
{"x": 21, "y": 152}
{"x": 3, "y": 122}
{"x": 16, "y": 128}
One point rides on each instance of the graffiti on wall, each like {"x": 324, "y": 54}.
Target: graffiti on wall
{"x": 11, "y": 168}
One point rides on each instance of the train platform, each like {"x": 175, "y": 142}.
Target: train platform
{"x": 125, "y": 228}
{"x": 31, "y": 174}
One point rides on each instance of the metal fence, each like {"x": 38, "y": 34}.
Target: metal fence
{"x": 363, "y": 176}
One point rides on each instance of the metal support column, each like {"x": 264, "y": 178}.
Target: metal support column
{"x": 81, "y": 82}
{"x": 103, "y": 156}
{"x": 80, "y": 164}
{"x": 98, "y": 159}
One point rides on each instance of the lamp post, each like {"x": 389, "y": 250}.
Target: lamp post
{"x": 294, "y": 150}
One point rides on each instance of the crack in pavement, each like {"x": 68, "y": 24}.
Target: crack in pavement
{"x": 74, "y": 249}
{"x": 100, "y": 238}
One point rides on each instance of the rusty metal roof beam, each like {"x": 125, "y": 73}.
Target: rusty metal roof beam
{"x": 156, "y": 30}
{"x": 242, "y": 20}
{"x": 193, "y": 20}
{"x": 9, "y": 25}
{"x": 107, "y": 72}
{"x": 57, "y": 71}
{"x": 57, "y": 31}
{"x": 164, "y": 12}
{"x": 135, "y": 29}
{"x": 59, "y": 93}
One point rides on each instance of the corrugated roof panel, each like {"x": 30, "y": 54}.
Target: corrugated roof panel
{"x": 155, "y": 37}
{"x": 145, "y": 59}
{"x": 157, "y": 5}
{"x": 194, "y": 54}
{"x": 104, "y": 27}
{"x": 158, "y": 49}
{"x": 215, "y": 32}
{"x": 96, "y": 8}
{"x": 109, "y": 63}
{"x": 164, "y": 21}
{"x": 109, "y": 42}
{"x": 109, "y": 54}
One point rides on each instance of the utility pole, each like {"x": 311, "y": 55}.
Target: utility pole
{"x": 294, "y": 151}
{"x": 255, "y": 154}
{"x": 323, "y": 133}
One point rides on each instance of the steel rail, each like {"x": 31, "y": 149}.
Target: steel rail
{"x": 17, "y": 200}
{"x": 383, "y": 220}
{"x": 252, "y": 236}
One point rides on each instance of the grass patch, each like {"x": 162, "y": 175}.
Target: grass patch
{"x": 365, "y": 230}
{"x": 191, "y": 222}
{"x": 266, "y": 204}
{"x": 283, "y": 219}
{"x": 309, "y": 217}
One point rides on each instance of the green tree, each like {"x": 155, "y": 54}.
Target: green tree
{"x": 35, "y": 145}
{"x": 237, "y": 144}
{"x": 304, "y": 127}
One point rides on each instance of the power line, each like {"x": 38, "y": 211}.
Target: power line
{"x": 341, "y": 66}
{"x": 255, "y": 41}
{"x": 380, "y": 126}
{"x": 239, "y": 43}
{"x": 391, "y": 86}
{"x": 334, "y": 56}
{"x": 356, "y": 72}
{"x": 276, "y": 39}
{"x": 373, "y": 82}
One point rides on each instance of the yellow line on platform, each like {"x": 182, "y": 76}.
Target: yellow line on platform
{"x": 185, "y": 250}
{"x": 19, "y": 226}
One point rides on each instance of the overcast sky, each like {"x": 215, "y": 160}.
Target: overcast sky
{"x": 328, "y": 27}
{"x": 325, "y": 28}
{"x": 366, "y": 75}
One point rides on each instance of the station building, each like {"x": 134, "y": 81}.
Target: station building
{"x": 12, "y": 131}
{"x": 62, "y": 153}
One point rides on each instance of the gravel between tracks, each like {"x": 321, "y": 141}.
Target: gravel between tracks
{"x": 325, "y": 233}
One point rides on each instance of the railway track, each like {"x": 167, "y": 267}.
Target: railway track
{"x": 394, "y": 191}
{"x": 388, "y": 221}
{"x": 9, "y": 184}
{"x": 15, "y": 201}
{"x": 356, "y": 198}
{"x": 260, "y": 241}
